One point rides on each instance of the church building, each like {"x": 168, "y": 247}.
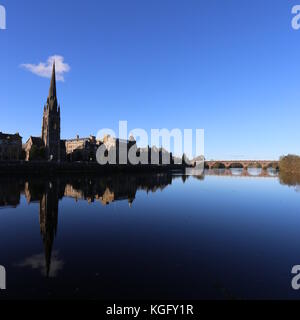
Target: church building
{"x": 51, "y": 123}
{"x": 48, "y": 146}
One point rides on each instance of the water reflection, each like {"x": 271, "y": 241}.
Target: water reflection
{"x": 272, "y": 172}
{"x": 38, "y": 262}
{"x": 10, "y": 192}
{"x": 48, "y": 193}
{"x": 237, "y": 171}
{"x": 255, "y": 171}
{"x": 243, "y": 172}
{"x": 289, "y": 178}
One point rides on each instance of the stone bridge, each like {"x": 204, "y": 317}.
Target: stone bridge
{"x": 264, "y": 164}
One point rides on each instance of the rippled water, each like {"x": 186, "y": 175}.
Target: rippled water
{"x": 226, "y": 235}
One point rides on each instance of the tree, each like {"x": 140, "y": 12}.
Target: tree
{"x": 290, "y": 163}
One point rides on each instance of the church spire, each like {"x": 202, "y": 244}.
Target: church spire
{"x": 52, "y": 91}
{"x": 51, "y": 123}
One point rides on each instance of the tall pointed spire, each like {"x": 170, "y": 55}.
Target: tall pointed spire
{"x": 52, "y": 90}
{"x": 51, "y": 123}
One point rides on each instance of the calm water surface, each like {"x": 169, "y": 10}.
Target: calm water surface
{"x": 226, "y": 235}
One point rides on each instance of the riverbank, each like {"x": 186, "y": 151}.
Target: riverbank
{"x": 49, "y": 168}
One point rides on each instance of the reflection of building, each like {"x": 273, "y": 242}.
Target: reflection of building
{"x": 106, "y": 190}
{"x": 107, "y": 197}
{"x": 47, "y": 194}
{"x": 10, "y": 146}
{"x": 48, "y": 220}
{"x": 74, "y": 193}
{"x": 114, "y": 188}
{"x": 9, "y": 193}
{"x": 34, "y": 190}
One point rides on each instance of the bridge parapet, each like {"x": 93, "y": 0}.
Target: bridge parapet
{"x": 264, "y": 164}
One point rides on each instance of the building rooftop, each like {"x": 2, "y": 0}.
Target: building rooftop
{"x": 36, "y": 141}
{"x": 10, "y": 137}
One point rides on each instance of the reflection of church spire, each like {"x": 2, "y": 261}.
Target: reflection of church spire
{"x": 48, "y": 221}
{"x": 130, "y": 202}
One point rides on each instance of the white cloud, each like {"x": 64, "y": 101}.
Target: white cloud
{"x": 44, "y": 69}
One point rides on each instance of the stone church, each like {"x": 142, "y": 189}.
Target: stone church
{"x": 51, "y": 123}
{"x": 48, "y": 146}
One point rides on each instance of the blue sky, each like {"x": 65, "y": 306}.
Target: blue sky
{"x": 231, "y": 67}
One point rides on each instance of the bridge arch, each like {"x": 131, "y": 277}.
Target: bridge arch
{"x": 272, "y": 165}
{"x": 253, "y": 165}
{"x": 236, "y": 165}
{"x": 218, "y": 165}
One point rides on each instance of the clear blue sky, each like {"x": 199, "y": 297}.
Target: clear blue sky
{"x": 231, "y": 67}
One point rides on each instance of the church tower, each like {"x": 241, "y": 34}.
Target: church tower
{"x": 51, "y": 123}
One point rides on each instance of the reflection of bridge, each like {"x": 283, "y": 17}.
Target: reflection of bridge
{"x": 263, "y": 173}
{"x": 241, "y": 164}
